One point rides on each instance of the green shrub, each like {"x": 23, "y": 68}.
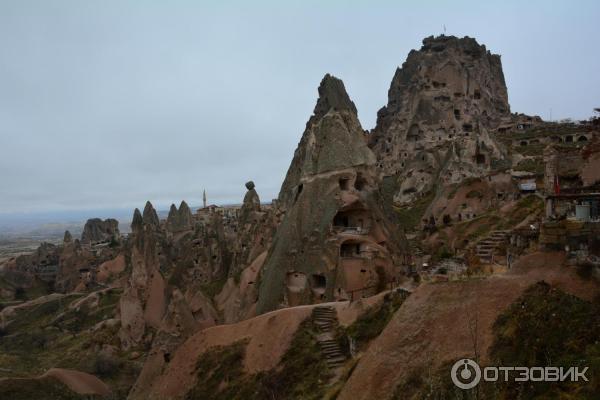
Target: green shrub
{"x": 369, "y": 325}
{"x": 547, "y": 327}
{"x": 301, "y": 374}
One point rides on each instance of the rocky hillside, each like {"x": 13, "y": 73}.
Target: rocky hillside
{"x": 453, "y": 229}
{"x": 443, "y": 105}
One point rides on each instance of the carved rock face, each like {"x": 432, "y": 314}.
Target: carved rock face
{"x": 442, "y": 106}
{"x": 331, "y": 204}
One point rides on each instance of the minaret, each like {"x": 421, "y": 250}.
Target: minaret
{"x": 204, "y": 198}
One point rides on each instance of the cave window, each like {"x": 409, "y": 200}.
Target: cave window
{"x": 360, "y": 182}
{"x": 569, "y": 139}
{"x": 457, "y": 114}
{"x": 344, "y": 183}
{"x": 468, "y": 127}
{"x": 350, "y": 249}
{"x": 341, "y": 220}
{"x": 167, "y": 357}
{"x": 300, "y": 187}
{"x": 477, "y": 94}
{"x": 582, "y": 139}
{"x": 480, "y": 158}
{"x": 523, "y": 143}
{"x": 318, "y": 281}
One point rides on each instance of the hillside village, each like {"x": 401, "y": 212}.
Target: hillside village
{"x": 388, "y": 255}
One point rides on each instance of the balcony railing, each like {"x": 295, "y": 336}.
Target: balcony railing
{"x": 356, "y": 230}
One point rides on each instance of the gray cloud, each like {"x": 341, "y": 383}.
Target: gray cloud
{"x": 109, "y": 103}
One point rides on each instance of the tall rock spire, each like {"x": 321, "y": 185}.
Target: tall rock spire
{"x": 332, "y": 207}
{"x": 333, "y": 139}
{"x": 149, "y": 216}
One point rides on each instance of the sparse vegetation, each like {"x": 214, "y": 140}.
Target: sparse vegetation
{"x": 53, "y": 335}
{"x": 370, "y": 325}
{"x": 547, "y": 327}
{"x": 301, "y": 374}
{"x": 410, "y": 217}
{"x": 213, "y": 288}
{"x": 535, "y": 166}
{"x": 544, "y": 327}
{"x": 45, "y": 388}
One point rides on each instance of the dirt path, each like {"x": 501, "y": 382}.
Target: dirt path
{"x": 79, "y": 382}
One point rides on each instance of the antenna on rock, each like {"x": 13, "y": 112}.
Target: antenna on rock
{"x": 444, "y": 29}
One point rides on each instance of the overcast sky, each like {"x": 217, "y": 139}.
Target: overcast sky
{"x": 107, "y": 104}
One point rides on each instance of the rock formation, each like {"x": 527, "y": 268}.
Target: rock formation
{"x": 251, "y": 199}
{"x": 442, "y": 106}
{"x": 143, "y": 302}
{"x": 150, "y": 217}
{"x": 252, "y": 237}
{"x": 180, "y": 219}
{"x": 334, "y": 241}
{"x": 97, "y": 230}
{"x": 67, "y": 238}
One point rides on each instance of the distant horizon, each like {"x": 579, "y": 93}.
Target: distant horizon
{"x": 123, "y": 215}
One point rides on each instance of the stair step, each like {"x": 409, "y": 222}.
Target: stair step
{"x": 336, "y": 359}
{"x": 324, "y": 319}
{"x": 327, "y": 341}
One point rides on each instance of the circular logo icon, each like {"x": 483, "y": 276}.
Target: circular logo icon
{"x": 465, "y": 374}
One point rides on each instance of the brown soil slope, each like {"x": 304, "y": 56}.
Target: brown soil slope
{"x": 269, "y": 336}
{"x": 435, "y": 324}
{"x": 79, "y": 382}
{"x": 56, "y": 383}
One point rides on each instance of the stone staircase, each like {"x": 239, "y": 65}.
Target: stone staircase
{"x": 487, "y": 246}
{"x": 325, "y": 318}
